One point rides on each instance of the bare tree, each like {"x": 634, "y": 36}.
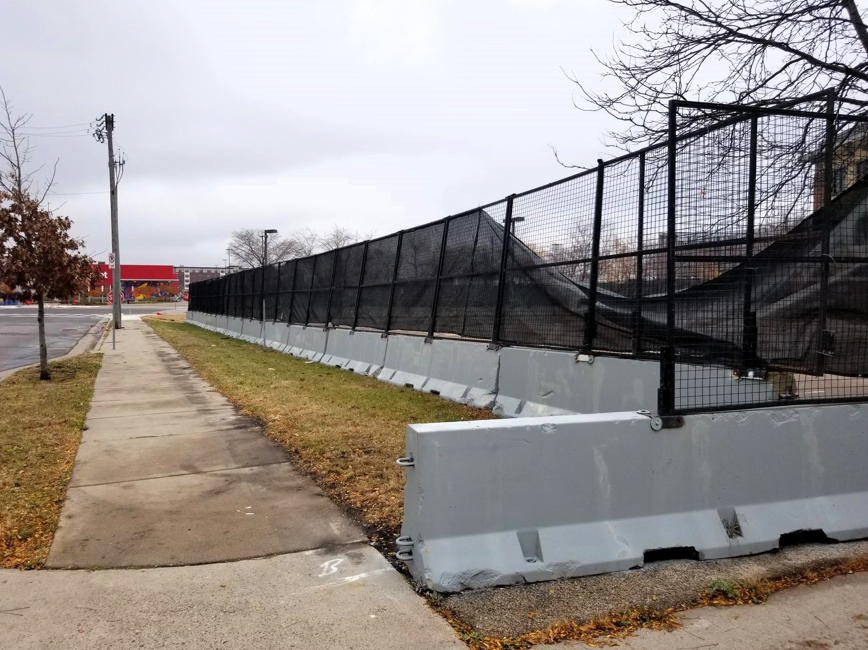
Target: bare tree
{"x": 306, "y": 242}
{"x": 38, "y": 256}
{"x": 338, "y": 238}
{"x": 760, "y": 52}
{"x": 247, "y": 247}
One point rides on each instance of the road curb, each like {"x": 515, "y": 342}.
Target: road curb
{"x": 87, "y": 343}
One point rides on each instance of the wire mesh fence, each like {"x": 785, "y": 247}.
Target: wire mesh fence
{"x": 734, "y": 255}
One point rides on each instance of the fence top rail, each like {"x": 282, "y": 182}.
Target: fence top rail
{"x": 764, "y": 110}
{"x": 741, "y": 112}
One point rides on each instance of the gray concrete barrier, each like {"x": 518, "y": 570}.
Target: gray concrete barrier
{"x": 234, "y": 327}
{"x": 251, "y": 330}
{"x": 360, "y": 352}
{"x": 546, "y": 382}
{"x": 306, "y": 342}
{"x": 533, "y": 499}
{"x": 514, "y": 381}
{"x": 461, "y": 371}
{"x": 276, "y": 335}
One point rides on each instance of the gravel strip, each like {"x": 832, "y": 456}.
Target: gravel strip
{"x": 503, "y": 611}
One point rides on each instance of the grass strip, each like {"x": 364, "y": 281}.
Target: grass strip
{"x": 343, "y": 429}
{"x": 40, "y": 429}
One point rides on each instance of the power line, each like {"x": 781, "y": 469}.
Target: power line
{"x": 75, "y": 193}
{"x": 54, "y": 135}
{"x": 55, "y": 128}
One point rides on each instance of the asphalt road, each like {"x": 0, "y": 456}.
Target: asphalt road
{"x": 64, "y": 326}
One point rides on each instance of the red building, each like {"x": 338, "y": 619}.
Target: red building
{"x": 140, "y": 280}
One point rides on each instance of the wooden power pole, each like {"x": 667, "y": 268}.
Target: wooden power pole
{"x": 113, "y": 187}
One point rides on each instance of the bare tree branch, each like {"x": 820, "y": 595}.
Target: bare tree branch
{"x": 759, "y": 52}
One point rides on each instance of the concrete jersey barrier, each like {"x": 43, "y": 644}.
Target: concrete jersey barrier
{"x": 513, "y": 381}
{"x": 505, "y": 501}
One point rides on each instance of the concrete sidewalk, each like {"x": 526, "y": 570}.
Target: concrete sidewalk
{"x": 168, "y": 473}
{"x": 348, "y": 597}
{"x": 831, "y": 614}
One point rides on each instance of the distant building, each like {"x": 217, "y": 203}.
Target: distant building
{"x": 189, "y": 274}
{"x": 849, "y": 162}
{"x": 138, "y": 281}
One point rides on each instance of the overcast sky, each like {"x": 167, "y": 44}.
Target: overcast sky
{"x": 375, "y": 115}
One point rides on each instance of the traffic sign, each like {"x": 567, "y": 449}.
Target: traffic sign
{"x": 111, "y": 297}
{"x": 111, "y": 263}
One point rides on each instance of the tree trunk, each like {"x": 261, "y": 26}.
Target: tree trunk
{"x": 43, "y": 348}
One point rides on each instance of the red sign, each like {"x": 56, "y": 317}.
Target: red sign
{"x": 111, "y": 297}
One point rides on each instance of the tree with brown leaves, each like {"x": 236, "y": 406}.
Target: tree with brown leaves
{"x": 38, "y": 256}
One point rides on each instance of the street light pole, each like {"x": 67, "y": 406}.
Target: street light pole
{"x": 265, "y": 234}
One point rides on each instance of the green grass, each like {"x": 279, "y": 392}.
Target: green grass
{"x": 344, "y": 429}
{"x": 40, "y": 428}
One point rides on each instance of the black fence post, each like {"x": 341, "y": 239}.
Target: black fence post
{"x": 471, "y": 278}
{"x": 310, "y": 290}
{"x": 666, "y": 397}
{"x": 591, "y": 317}
{"x": 225, "y": 311}
{"x": 825, "y": 339}
{"x": 501, "y": 285}
{"x": 328, "y": 315}
{"x": 277, "y": 294}
{"x": 640, "y": 261}
{"x": 262, "y": 293}
{"x": 749, "y": 326}
{"x": 292, "y": 291}
{"x": 359, "y": 289}
{"x": 436, "y": 300}
{"x": 392, "y": 287}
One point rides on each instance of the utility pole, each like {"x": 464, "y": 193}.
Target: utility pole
{"x": 113, "y": 187}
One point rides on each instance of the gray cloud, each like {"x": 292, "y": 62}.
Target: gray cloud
{"x": 375, "y": 114}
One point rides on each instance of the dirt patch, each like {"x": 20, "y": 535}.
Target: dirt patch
{"x": 167, "y": 318}
{"x": 583, "y": 608}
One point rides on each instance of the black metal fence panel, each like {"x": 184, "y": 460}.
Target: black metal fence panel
{"x": 736, "y": 256}
{"x": 377, "y": 279}
{"x": 770, "y": 259}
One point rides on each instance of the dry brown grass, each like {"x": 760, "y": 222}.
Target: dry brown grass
{"x": 40, "y": 429}
{"x": 169, "y": 317}
{"x": 344, "y": 429}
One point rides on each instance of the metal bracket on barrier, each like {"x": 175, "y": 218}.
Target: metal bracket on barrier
{"x": 404, "y": 556}
{"x": 405, "y": 542}
{"x": 494, "y": 346}
{"x": 429, "y": 339}
{"x": 406, "y": 461}
{"x": 587, "y": 358}
{"x": 659, "y": 422}
{"x": 384, "y": 335}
